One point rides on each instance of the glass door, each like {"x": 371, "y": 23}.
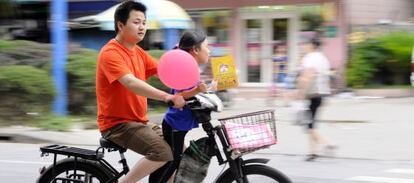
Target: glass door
{"x": 267, "y": 46}
{"x": 253, "y": 49}
{"x": 280, "y": 50}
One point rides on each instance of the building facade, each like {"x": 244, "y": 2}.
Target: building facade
{"x": 253, "y": 31}
{"x": 365, "y": 12}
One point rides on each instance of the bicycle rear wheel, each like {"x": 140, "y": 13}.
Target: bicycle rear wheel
{"x": 256, "y": 173}
{"x": 69, "y": 171}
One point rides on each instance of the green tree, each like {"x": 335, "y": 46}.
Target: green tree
{"x": 81, "y": 68}
{"x": 24, "y": 89}
{"x": 381, "y": 60}
{"x": 399, "y": 46}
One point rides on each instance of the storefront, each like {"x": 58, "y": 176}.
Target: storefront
{"x": 165, "y": 20}
{"x": 264, "y": 36}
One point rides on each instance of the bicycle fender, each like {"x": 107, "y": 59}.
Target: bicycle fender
{"x": 256, "y": 160}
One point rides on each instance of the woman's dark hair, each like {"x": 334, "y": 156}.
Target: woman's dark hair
{"x": 123, "y": 10}
{"x": 316, "y": 42}
{"x": 190, "y": 40}
{"x": 275, "y": 46}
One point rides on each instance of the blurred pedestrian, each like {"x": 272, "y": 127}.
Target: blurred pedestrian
{"x": 279, "y": 65}
{"x": 313, "y": 85}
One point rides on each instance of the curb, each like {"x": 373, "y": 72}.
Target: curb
{"x": 15, "y": 138}
{"x": 387, "y": 93}
{"x": 23, "y": 134}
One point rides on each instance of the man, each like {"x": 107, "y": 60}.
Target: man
{"x": 122, "y": 93}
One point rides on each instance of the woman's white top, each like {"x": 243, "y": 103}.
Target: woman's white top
{"x": 318, "y": 62}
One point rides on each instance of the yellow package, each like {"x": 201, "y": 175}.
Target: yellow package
{"x": 224, "y": 71}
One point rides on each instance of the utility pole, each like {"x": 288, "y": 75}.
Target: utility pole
{"x": 59, "y": 55}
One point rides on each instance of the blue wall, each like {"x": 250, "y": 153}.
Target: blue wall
{"x": 91, "y": 38}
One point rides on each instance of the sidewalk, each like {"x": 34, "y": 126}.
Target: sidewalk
{"x": 365, "y": 128}
{"x": 262, "y": 92}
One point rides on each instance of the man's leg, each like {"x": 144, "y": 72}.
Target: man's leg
{"x": 176, "y": 141}
{"x": 143, "y": 140}
{"x": 141, "y": 169}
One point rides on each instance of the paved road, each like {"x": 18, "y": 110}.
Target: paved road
{"x": 19, "y": 163}
{"x": 364, "y": 128}
{"x": 374, "y": 135}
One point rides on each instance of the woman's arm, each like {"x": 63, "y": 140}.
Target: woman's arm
{"x": 305, "y": 80}
{"x": 202, "y": 87}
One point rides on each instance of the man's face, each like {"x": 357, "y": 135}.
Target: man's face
{"x": 135, "y": 28}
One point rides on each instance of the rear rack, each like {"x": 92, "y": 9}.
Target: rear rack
{"x": 72, "y": 151}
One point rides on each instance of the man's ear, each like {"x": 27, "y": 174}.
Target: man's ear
{"x": 120, "y": 25}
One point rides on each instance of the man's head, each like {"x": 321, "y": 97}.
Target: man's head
{"x": 130, "y": 21}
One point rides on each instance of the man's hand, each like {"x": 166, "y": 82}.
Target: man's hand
{"x": 178, "y": 100}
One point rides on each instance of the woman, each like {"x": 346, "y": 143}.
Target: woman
{"x": 313, "y": 85}
{"x": 177, "y": 123}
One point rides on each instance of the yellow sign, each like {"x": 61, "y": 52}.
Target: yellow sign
{"x": 224, "y": 71}
{"x": 329, "y": 12}
{"x": 357, "y": 37}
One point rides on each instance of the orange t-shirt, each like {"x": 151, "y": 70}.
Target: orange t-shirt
{"x": 117, "y": 104}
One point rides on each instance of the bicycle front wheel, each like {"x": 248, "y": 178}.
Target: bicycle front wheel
{"x": 256, "y": 173}
{"x": 69, "y": 171}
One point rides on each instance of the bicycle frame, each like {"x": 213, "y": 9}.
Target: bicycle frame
{"x": 123, "y": 161}
{"x": 232, "y": 157}
{"x": 79, "y": 153}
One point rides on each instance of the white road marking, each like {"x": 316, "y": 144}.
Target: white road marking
{"x": 402, "y": 171}
{"x": 381, "y": 179}
{"x": 25, "y": 162}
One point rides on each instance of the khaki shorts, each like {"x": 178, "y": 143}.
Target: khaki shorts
{"x": 140, "y": 138}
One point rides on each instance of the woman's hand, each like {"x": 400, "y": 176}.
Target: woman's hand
{"x": 202, "y": 87}
{"x": 213, "y": 85}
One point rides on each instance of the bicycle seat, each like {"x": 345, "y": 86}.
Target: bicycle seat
{"x": 110, "y": 145}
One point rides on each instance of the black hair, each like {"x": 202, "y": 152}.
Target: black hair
{"x": 316, "y": 42}
{"x": 277, "y": 45}
{"x": 123, "y": 10}
{"x": 190, "y": 40}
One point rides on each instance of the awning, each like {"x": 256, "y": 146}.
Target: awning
{"x": 160, "y": 14}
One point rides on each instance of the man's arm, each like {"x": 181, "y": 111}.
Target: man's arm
{"x": 144, "y": 89}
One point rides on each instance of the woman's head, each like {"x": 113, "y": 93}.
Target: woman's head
{"x": 311, "y": 45}
{"x": 280, "y": 48}
{"x": 196, "y": 44}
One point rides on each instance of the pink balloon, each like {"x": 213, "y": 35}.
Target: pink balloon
{"x": 177, "y": 69}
